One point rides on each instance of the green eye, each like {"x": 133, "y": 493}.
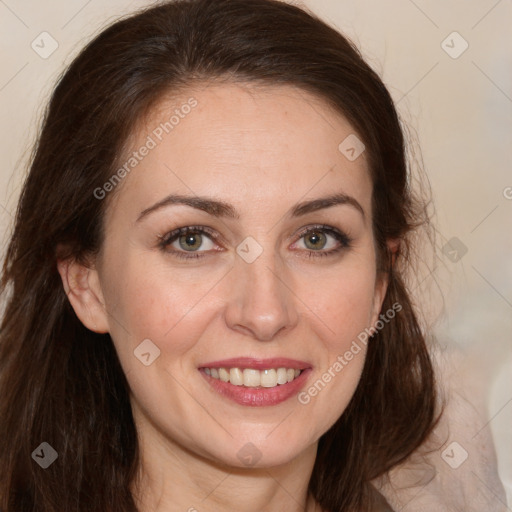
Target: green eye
{"x": 197, "y": 241}
{"x": 315, "y": 240}
{"x": 190, "y": 241}
{"x": 323, "y": 241}
{"x": 194, "y": 240}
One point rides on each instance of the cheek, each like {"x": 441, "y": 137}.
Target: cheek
{"x": 146, "y": 300}
{"x": 343, "y": 301}
{"x": 342, "y": 305}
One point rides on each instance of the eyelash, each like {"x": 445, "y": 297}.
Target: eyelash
{"x": 344, "y": 240}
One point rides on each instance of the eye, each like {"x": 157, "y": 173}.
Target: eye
{"x": 196, "y": 241}
{"x": 323, "y": 240}
{"x": 188, "y": 242}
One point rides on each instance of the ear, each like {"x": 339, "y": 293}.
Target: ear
{"x": 82, "y": 286}
{"x": 382, "y": 280}
{"x": 381, "y": 286}
{"x": 394, "y": 249}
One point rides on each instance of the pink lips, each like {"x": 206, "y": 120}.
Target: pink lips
{"x": 257, "y": 397}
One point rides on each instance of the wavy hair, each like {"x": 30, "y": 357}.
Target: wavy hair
{"x": 63, "y": 384}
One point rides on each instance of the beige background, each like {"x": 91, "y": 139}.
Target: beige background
{"x": 461, "y": 109}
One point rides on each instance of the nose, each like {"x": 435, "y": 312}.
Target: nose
{"x": 261, "y": 303}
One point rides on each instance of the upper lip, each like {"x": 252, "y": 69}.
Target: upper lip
{"x": 257, "y": 364}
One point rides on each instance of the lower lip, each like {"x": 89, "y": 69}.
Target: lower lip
{"x": 258, "y": 397}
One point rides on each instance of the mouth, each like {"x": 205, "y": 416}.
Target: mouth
{"x": 256, "y": 382}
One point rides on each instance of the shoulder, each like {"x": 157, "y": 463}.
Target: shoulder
{"x": 455, "y": 468}
{"x": 380, "y": 503}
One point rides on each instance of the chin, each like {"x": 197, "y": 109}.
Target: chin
{"x": 247, "y": 452}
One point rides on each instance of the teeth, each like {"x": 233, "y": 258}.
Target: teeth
{"x": 268, "y": 378}
{"x": 251, "y": 378}
{"x": 223, "y": 375}
{"x": 236, "y": 377}
{"x": 281, "y": 376}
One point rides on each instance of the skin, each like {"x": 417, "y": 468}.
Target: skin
{"x": 262, "y": 150}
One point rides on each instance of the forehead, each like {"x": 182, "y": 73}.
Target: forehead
{"x": 243, "y": 141}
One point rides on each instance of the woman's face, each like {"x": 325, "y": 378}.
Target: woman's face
{"x": 273, "y": 277}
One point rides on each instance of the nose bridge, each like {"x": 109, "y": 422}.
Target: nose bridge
{"x": 262, "y": 302}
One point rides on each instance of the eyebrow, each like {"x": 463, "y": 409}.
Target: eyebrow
{"x": 218, "y": 208}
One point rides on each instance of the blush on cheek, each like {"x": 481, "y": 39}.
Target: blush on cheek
{"x": 347, "y": 311}
{"x": 174, "y": 324}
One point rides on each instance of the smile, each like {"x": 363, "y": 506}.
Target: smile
{"x": 252, "y": 378}
{"x": 256, "y": 382}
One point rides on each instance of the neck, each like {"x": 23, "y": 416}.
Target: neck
{"x": 171, "y": 478}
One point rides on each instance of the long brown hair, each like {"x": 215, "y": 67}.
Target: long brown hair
{"x": 63, "y": 384}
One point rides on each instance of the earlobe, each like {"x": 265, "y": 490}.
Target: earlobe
{"x": 82, "y": 286}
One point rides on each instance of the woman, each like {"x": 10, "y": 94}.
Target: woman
{"x": 206, "y": 306}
